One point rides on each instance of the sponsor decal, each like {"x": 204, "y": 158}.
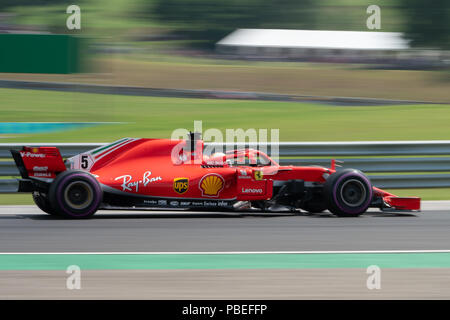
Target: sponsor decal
{"x": 211, "y": 185}
{"x": 243, "y": 175}
{"x": 190, "y": 203}
{"x": 128, "y": 184}
{"x": 180, "y": 185}
{"x": 212, "y": 203}
{"x": 258, "y": 175}
{"x": 252, "y": 190}
{"x": 36, "y": 168}
{"x": 29, "y": 154}
{"x": 42, "y": 174}
{"x": 222, "y": 203}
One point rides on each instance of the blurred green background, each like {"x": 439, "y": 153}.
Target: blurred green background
{"x": 208, "y": 20}
{"x": 171, "y": 44}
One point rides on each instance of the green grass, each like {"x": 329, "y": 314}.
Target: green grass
{"x": 156, "y": 70}
{"x": 15, "y": 199}
{"x": 157, "y": 117}
{"x": 425, "y": 194}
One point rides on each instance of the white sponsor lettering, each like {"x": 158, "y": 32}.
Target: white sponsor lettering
{"x": 42, "y": 174}
{"x": 36, "y": 168}
{"x": 250, "y": 190}
{"x": 128, "y": 184}
{"x": 32, "y": 155}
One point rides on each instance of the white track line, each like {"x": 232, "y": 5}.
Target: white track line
{"x": 223, "y": 252}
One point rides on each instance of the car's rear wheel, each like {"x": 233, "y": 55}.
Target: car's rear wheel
{"x": 348, "y": 193}
{"x": 75, "y": 194}
{"x": 43, "y": 203}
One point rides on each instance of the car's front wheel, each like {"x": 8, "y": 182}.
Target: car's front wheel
{"x": 348, "y": 193}
{"x": 75, "y": 194}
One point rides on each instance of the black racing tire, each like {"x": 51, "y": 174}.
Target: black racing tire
{"x": 75, "y": 194}
{"x": 43, "y": 203}
{"x": 348, "y": 193}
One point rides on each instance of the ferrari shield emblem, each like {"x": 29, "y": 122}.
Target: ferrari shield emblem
{"x": 180, "y": 185}
{"x": 258, "y": 175}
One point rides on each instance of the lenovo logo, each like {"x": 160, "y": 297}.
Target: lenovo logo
{"x": 250, "y": 190}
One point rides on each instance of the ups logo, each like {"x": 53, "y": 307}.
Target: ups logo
{"x": 180, "y": 185}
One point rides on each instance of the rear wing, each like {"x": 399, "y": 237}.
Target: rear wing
{"x": 38, "y": 162}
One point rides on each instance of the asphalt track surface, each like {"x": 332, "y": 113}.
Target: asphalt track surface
{"x": 26, "y": 229}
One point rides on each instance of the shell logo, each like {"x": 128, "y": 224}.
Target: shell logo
{"x": 211, "y": 185}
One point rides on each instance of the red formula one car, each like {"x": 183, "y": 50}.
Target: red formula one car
{"x": 160, "y": 173}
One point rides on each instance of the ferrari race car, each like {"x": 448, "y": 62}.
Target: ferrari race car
{"x": 162, "y": 173}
